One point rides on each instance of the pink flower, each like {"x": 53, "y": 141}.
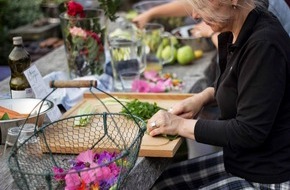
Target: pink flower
{"x": 151, "y": 75}
{"x": 74, "y": 9}
{"x": 86, "y": 157}
{"x": 90, "y": 175}
{"x": 114, "y": 169}
{"x": 76, "y": 31}
{"x": 140, "y": 86}
{"x": 167, "y": 83}
{"x": 58, "y": 173}
{"x": 72, "y": 180}
{"x": 157, "y": 87}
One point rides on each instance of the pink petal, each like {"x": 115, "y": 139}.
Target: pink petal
{"x": 168, "y": 83}
{"x": 150, "y": 75}
{"x": 140, "y": 86}
{"x": 58, "y": 173}
{"x": 72, "y": 180}
{"x": 89, "y": 176}
{"x": 87, "y": 156}
{"x": 157, "y": 87}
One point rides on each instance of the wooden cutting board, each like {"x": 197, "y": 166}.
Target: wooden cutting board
{"x": 64, "y": 137}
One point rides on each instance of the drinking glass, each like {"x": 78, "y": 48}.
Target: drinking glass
{"x": 127, "y": 53}
{"x": 29, "y": 143}
{"x": 11, "y": 138}
{"x": 158, "y": 46}
{"x": 27, "y": 130}
{"x": 127, "y": 79}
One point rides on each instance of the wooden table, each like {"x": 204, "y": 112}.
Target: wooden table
{"x": 146, "y": 170}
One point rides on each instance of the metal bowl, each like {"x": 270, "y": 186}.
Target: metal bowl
{"x": 30, "y": 106}
{"x": 185, "y": 37}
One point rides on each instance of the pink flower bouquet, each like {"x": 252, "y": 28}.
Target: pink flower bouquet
{"x": 90, "y": 171}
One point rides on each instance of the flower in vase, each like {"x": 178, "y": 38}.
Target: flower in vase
{"x": 83, "y": 33}
{"x": 75, "y": 9}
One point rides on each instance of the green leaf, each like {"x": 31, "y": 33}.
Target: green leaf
{"x": 93, "y": 49}
{"x": 144, "y": 110}
{"x": 5, "y": 117}
{"x": 110, "y": 7}
{"x": 83, "y": 117}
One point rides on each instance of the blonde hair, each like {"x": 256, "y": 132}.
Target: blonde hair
{"x": 201, "y": 7}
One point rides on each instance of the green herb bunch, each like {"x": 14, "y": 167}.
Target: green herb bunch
{"x": 144, "y": 110}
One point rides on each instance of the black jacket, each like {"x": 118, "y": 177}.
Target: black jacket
{"x": 253, "y": 94}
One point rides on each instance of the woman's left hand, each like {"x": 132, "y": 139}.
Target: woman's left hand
{"x": 163, "y": 122}
{"x": 166, "y": 123}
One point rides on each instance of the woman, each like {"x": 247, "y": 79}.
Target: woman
{"x": 253, "y": 94}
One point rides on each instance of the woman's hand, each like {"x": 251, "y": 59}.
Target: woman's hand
{"x": 164, "y": 122}
{"x": 187, "y": 108}
{"x": 179, "y": 119}
{"x": 202, "y": 30}
{"x": 190, "y": 107}
{"x": 142, "y": 19}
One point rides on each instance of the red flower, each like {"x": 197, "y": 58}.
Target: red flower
{"x": 74, "y": 9}
{"x": 96, "y": 37}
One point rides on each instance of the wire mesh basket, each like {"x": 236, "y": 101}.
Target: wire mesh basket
{"x": 98, "y": 154}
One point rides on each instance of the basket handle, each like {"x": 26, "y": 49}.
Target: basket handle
{"x": 73, "y": 83}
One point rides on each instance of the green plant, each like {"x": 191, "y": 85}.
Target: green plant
{"x": 110, "y": 7}
{"x": 12, "y": 15}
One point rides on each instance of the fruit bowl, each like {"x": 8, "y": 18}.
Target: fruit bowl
{"x": 184, "y": 37}
{"x": 27, "y": 106}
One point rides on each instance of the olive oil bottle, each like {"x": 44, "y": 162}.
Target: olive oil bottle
{"x": 19, "y": 60}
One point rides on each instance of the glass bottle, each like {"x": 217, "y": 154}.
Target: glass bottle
{"x": 19, "y": 60}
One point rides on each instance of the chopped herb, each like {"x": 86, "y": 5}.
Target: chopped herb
{"x": 144, "y": 110}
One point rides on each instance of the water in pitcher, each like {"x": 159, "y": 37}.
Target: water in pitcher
{"x": 126, "y": 57}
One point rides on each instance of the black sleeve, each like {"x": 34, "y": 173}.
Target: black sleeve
{"x": 261, "y": 86}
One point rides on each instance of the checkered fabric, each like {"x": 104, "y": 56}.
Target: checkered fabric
{"x": 205, "y": 173}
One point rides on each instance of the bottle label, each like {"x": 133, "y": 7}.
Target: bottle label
{"x": 27, "y": 93}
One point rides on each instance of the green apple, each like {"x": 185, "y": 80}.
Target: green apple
{"x": 165, "y": 41}
{"x": 185, "y": 55}
{"x": 169, "y": 54}
{"x": 174, "y": 40}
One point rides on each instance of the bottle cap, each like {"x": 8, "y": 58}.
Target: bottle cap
{"x": 17, "y": 40}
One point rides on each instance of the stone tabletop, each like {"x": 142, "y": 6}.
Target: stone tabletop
{"x": 56, "y": 61}
{"x": 146, "y": 170}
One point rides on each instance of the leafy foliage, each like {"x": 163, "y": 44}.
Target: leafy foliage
{"x": 12, "y": 15}
{"x": 110, "y": 7}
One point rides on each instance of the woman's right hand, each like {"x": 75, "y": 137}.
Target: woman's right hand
{"x": 202, "y": 30}
{"x": 190, "y": 107}
{"x": 187, "y": 108}
{"x": 142, "y": 19}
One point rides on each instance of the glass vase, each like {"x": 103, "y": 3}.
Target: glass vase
{"x": 84, "y": 40}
